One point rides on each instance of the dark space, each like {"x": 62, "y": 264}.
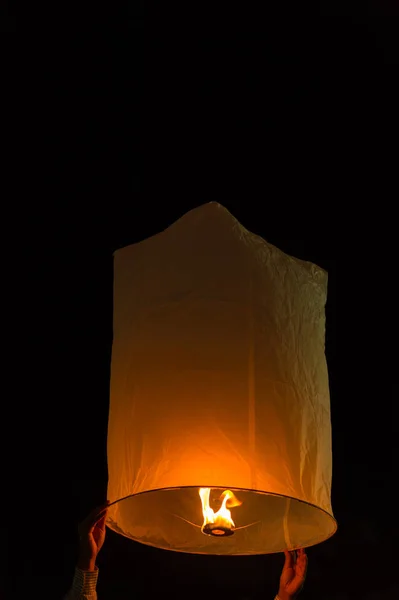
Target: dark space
{"x": 292, "y": 126}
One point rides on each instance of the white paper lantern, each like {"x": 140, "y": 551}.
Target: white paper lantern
{"x": 218, "y": 383}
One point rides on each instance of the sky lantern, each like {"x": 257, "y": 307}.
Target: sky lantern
{"x": 219, "y": 433}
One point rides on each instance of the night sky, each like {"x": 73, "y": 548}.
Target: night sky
{"x": 292, "y": 127}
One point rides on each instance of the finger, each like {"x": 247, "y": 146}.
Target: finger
{"x": 301, "y": 554}
{"x": 302, "y": 565}
{"x": 289, "y": 561}
{"x": 101, "y": 516}
{"x": 98, "y": 514}
{"x": 104, "y": 514}
{"x": 90, "y": 521}
{"x": 101, "y": 522}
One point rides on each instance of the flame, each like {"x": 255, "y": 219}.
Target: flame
{"x": 222, "y": 518}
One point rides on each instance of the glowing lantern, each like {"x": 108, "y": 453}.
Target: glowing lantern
{"x": 219, "y": 436}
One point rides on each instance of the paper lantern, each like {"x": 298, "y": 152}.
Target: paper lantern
{"x": 219, "y": 436}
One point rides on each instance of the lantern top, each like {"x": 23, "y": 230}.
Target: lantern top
{"x": 213, "y": 225}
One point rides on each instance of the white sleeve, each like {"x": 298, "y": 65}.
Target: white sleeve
{"x": 83, "y": 586}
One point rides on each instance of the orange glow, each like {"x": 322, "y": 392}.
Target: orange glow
{"x": 219, "y": 523}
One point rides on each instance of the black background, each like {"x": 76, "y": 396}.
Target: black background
{"x": 291, "y": 124}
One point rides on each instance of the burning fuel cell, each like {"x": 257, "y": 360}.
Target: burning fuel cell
{"x": 218, "y": 523}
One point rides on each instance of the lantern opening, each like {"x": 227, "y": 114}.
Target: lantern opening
{"x": 220, "y": 523}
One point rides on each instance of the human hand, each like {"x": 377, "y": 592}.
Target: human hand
{"x": 293, "y": 574}
{"x": 92, "y": 536}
